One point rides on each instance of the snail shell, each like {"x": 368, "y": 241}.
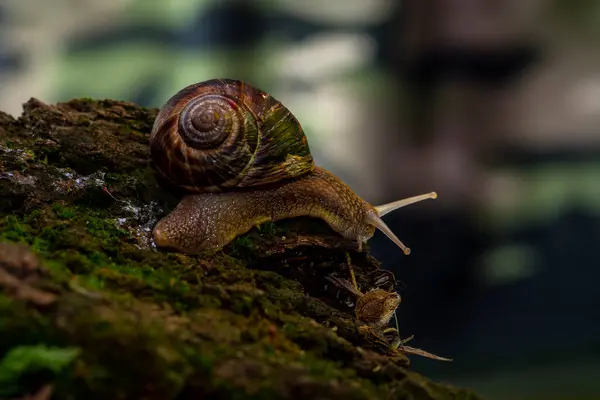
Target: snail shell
{"x": 221, "y": 134}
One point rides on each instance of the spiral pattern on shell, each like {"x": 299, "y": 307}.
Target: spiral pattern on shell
{"x": 222, "y": 134}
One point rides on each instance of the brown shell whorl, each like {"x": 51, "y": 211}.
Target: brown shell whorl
{"x": 202, "y": 125}
{"x": 224, "y": 133}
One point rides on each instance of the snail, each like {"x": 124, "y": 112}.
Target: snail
{"x": 375, "y": 307}
{"x": 242, "y": 159}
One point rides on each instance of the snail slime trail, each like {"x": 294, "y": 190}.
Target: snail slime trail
{"x": 215, "y": 136}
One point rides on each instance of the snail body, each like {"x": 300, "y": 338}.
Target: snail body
{"x": 242, "y": 159}
{"x": 212, "y": 220}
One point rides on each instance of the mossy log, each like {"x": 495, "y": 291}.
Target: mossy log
{"x": 89, "y": 308}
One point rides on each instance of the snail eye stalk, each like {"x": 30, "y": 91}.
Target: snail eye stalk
{"x": 377, "y": 222}
{"x": 394, "y": 205}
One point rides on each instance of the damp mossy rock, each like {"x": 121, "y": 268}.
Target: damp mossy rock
{"x": 89, "y": 308}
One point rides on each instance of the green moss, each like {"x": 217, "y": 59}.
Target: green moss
{"x": 23, "y": 361}
{"x": 62, "y": 211}
{"x": 268, "y": 228}
{"x": 12, "y": 229}
{"x": 241, "y": 245}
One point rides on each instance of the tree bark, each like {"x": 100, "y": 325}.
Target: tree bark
{"x": 89, "y": 308}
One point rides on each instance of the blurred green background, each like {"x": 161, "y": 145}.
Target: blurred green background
{"x": 493, "y": 104}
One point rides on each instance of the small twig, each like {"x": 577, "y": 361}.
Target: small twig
{"x": 105, "y": 189}
{"x": 413, "y": 350}
{"x": 351, "y": 270}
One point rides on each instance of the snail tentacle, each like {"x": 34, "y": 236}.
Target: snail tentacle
{"x": 394, "y": 205}
{"x": 378, "y": 223}
{"x": 375, "y": 218}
